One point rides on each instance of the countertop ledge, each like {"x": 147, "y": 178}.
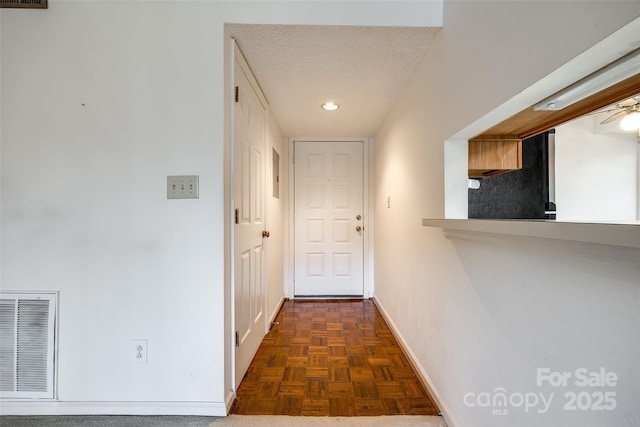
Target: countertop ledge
{"x": 615, "y": 234}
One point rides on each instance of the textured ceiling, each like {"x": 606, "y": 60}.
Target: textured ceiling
{"x": 363, "y": 69}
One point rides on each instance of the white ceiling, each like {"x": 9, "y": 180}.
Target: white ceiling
{"x": 362, "y": 69}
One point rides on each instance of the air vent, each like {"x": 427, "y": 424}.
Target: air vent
{"x": 27, "y": 325}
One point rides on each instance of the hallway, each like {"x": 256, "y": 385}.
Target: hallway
{"x": 331, "y": 358}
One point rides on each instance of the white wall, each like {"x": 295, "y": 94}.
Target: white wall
{"x": 484, "y": 312}
{"x": 100, "y": 102}
{"x": 277, "y": 219}
{"x": 596, "y": 173}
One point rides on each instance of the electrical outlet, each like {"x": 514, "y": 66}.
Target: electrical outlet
{"x": 140, "y": 351}
{"x": 182, "y": 187}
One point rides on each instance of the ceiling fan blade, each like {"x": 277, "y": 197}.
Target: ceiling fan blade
{"x": 614, "y": 117}
{"x": 603, "y": 111}
{"x": 627, "y": 102}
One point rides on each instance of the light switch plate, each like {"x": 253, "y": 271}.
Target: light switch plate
{"x": 182, "y": 187}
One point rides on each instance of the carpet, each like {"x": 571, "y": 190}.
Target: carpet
{"x": 288, "y": 421}
{"x": 104, "y": 421}
{"x": 230, "y": 421}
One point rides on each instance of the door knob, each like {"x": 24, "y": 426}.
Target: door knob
{"x": 265, "y": 233}
{"x": 358, "y": 229}
{"x": 358, "y": 217}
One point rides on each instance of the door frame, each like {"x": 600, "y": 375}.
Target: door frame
{"x": 368, "y": 209}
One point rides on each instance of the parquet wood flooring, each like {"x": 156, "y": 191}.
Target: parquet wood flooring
{"x": 331, "y": 358}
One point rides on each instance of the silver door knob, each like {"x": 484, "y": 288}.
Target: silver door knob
{"x": 358, "y": 229}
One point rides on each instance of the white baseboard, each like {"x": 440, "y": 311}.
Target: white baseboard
{"x": 211, "y": 409}
{"x": 275, "y": 312}
{"x": 228, "y": 400}
{"x": 417, "y": 366}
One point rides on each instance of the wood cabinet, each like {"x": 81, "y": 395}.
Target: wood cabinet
{"x": 492, "y": 157}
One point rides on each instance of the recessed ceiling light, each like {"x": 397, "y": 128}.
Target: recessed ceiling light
{"x": 330, "y": 106}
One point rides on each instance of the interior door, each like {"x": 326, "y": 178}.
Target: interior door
{"x": 329, "y": 218}
{"x": 249, "y": 193}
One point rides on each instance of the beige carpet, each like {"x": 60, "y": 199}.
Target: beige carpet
{"x": 287, "y": 421}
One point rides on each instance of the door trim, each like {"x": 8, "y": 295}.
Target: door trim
{"x": 368, "y": 209}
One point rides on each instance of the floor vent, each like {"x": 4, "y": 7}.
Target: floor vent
{"x": 27, "y": 326}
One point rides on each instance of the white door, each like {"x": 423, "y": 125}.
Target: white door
{"x": 329, "y": 218}
{"x": 249, "y": 193}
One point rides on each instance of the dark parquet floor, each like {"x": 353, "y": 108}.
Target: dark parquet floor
{"x": 331, "y": 358}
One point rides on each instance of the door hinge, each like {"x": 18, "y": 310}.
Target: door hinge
{"x": 237, "y": 95}
{"x": 237, "y": 339}
{"x": 237, "y": 216}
